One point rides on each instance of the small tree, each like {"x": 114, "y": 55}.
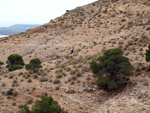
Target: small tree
{"x": 1, "y": 63}
{"x": 14, "y": 62}
{"x": 147, "y": 58}
{"x": 34, "y": 65}
{"x": 111, "y": 69}
{"x": 45, "y": 105}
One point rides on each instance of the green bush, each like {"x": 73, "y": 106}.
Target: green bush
{"x": 45, "y": 105}
{"x": 1, "y": 63}
{"x": 14, "y": 62}
{"x": 15, "y": 67}
{"x": 35, "y": 61}
{"x": 112, "y": 84}
{"x": 34, "y": 65}
{"x": 95, "y": 67}
{"x": 102, "y": 82}
{"x": 111, "y": 69}
{"x": 109, "y": 84}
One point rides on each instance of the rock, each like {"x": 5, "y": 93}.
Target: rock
{"x": 10, "y": 91}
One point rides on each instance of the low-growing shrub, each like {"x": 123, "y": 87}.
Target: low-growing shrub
{"x": 1, "y": 63}
{"x": 59, "y": 76}
{"x": 56, "y": 81}
{"x": 68, "y": 69}
{"x": 29, "y": 101}
{"x": 57, "y": 88}
{"x": 45, "y": 105}
{"x": 29, "y": 80}
{"x": 148, "y": 68}
{"x": 43, "y": 79}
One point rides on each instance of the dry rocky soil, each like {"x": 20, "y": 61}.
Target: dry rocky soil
{"x": 90, "y": 29}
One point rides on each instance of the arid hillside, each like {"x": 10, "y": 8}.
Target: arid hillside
{"x": 90, "y": 30}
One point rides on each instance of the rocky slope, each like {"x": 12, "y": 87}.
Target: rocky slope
{"x": 90, "y": 29}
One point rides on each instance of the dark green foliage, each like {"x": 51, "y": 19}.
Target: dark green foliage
{"x": 35, "y": 61}
{"x": 148, "y": 54}
{"x": 111, "y": 69}
{"x": 102, "y": 81}
{"x": 112, "y": 84}
{"x": 34, "y": 65}
{"x": 15, "y": 67}
{"x": 1, "y": 63}
{"x": 45, "y": 105}
{"x": 95, "y": 67}
{"x": 14, "y": 62}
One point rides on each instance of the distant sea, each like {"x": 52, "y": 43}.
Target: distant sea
{"x": 1, "y": 36}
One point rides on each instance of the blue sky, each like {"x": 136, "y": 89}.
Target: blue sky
{"x": 35, "y": 11}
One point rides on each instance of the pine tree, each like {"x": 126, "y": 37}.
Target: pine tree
{"x": 112, "y": 69}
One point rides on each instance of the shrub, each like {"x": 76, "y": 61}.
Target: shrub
{"x": 43, "y": 79}
{"x": 45, "y": 105}
{"x": 57, "y": 88}
{"x": 111, "y": 69}
{"x": 72, "y": 72}
{"x": 13, "y": 104}
{"x": 147, "y": 54}
{"x": 15, "y": 94}
{"x": 68, "y": 69}
{"x": 56, "y": 81}
{"x": 143, "y": 36}
{"x": 130, "y": 25}
{"x": 102, "y": 82}
{"x": 34, "y": 65}
{"x": 14, "y": 62}
{"x": 15, "y": 67}
{"x": 72, "y": 83}
{"x": 112, "y": 84}
{"x": 95, "y": 67}
{"x": 29, "y": 80}
{"x": 29, "y": 101}
{"x": 148, "y": 68}
{"x": 20, "y": 106}
{"x": 1, "y": 63}
{"x": 59, "y": 76}
{"x": 78, "y": 74}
